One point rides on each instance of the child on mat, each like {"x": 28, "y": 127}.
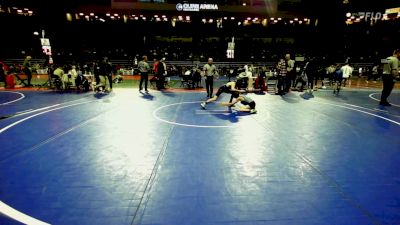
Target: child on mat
{"x": 229, "y": 88}
{"x": 248, "y": 104}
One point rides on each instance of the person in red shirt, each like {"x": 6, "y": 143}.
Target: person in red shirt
{"x": 155, "y": 66}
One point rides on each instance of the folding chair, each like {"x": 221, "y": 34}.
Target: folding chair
{"x": 21, "y": 80}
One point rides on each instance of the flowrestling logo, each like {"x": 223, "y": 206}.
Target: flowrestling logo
{"x": 194, "y": 7}
{"x": 367, "y": 16}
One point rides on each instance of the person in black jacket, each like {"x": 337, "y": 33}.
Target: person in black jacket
{"x": 105, "y": 70}
{"x": 161, "y": 73}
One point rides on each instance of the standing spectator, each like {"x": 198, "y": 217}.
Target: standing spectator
{"x": 155, "y": 66}
{"x": 27, "y": 69}
{"x": 95, "y": 69}
{"x": 282, "y": 65}
{"x": 74, "y": 75}
{"x": 309, "y": 73}
{"x": 161, "y": 73}
{"x": 144, "y": 73}
{"x": 3, "y": 71}
{"x": 347, "y": 71}
{"x": 388, "y": 78}
{"x": 105, "y": 70}
{"x": 291, "y": 73}
{"x": 375, "y": 72}
{"x": 210, "y": 71}
{"x": 360, "y": 72}
{"x": 330, "y": 74}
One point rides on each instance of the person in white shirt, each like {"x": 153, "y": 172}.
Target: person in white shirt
{"x": 72, "y": 75}
{"x": 291, "y": 73}
{"x": 347, "y": 71}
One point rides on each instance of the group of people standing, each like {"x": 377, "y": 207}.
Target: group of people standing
{"x": 160, "y": 72}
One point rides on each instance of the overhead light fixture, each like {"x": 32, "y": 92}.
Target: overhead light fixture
{"x": 36, "y": 33}
{"x": 81, "y": 14}
{"x": 300, "y": 22}
{"x": 272, "y": 18}
{"x": 291, "y": 21}
{"x": 164, "y": 16}
{"x": 244, "y": 4}
{"x": 296, "y": 19}
{"x": 232, "y": 18}
{"x": 102, "y": 20}
{"x": 115, "y": 14}
{"x": 108, "y": 14}
{"x": 112, "y": 17}
{"x": 352, "y": 17}
{"x": 279, "y": 18}
{"x": 348, "y": 14}
{"x": 69, "y": 17}
{"x": 156, "y": 16}
{"x": 225, "y": 18}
